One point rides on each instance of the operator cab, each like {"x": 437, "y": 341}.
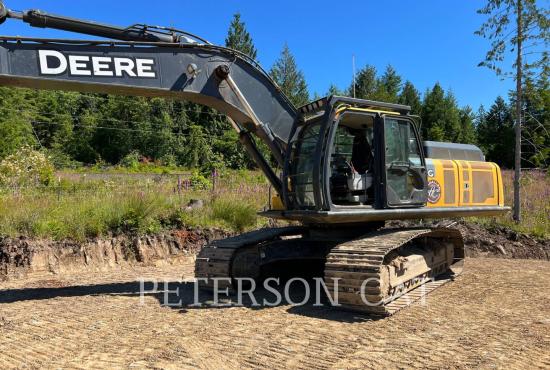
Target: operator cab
{"x": 352, "y": 155}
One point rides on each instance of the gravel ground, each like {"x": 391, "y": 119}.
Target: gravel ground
{"x": 495, "y": 315}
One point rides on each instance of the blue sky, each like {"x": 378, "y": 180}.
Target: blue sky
{"x": 426, "y": 41}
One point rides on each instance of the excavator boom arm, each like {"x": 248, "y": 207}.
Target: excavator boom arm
{"x": 152, "y": 63}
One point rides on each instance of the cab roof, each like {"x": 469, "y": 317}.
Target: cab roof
{"x": 330, "y": 101}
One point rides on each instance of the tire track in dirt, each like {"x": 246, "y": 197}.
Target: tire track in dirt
{"x": 497, "y": 314}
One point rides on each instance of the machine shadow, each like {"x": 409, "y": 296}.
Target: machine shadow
{"x": 184, "y": 296}
{"x": 301, "y": 300}
{"x": 41, "y": 293}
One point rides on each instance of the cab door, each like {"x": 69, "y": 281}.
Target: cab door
{"x": 404, "y": 171}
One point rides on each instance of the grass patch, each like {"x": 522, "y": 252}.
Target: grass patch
{"x": 82, "y": 206}
{"x": 237, "y": 214}
{"x": 86, "y": 205}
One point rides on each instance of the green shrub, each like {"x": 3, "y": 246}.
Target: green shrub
{"x": 192, "y": 219}
{"x": 26, "y": 168}
{"x": 62, "y": 160}
{"x": 169, "y": 160}
{"x": 137, "y": 215}
{"x": 131, "y": 160}
{"x": 216, "y": 163}
{"x": 199, "y": 181}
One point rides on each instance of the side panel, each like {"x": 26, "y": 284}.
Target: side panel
{"x": 463, "y": 184}
{"x": 484, "y": 184}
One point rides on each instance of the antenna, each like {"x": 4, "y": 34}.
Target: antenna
{"x": 353, "y": 71}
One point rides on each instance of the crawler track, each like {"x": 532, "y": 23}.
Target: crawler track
{"x": 360, "y": 268}
{"x": 366, "y": 269}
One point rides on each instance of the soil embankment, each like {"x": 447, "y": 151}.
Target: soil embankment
{"x": 23, "y": 257}
{"x": 502, "y": 242}
{"x": 499, "y": 241}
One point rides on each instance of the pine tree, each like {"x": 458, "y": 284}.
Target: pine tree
{"x": 238, "y": 37}
{"x": 440, "y": 116}
{"x": 480, "y": 120}
{"x": 467, "y": 129}
{"x": 388, "y": 86}
{"x": 125, "y": 127}
{"x": 433, "y": 113}
{"x": 365, "y": 83}
{"x": 452, "y": 126}
{"x": 159, "y": 141}
{"x": 334, "y": 90}
{"x": 411, "y": 97}
{"x": 290, "y": 79}
{"x": 15, "y": 130}
{"x": 80, "y": 148}
{"x": 197, "y": 151}
{"x": 495, "y": 133}
{"x": 536, "y": 121}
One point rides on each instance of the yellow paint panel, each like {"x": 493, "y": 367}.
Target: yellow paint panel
{"x": 471, "y": 183}
{"x": 444, "y": 185}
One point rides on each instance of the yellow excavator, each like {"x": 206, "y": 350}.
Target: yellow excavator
{"x": 340, "y": 166}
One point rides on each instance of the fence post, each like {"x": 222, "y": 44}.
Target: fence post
{"x": 214, "y": 180}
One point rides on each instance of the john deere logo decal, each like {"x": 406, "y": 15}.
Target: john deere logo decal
{"x": 55, "y": 63}
{"x": 434, "y": 191}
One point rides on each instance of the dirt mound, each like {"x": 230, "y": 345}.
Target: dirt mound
{"x": 502, "y": 242}
{"x": 24, "y": 256}
{"x": 497, "y": 241}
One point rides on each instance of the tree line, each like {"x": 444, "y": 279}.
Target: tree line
{"x": 78, "y": 128}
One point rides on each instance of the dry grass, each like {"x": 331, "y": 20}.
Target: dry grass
{"x": 535, "y": 204}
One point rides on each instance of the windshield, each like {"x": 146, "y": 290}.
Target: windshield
{"x": 302, "y": 164}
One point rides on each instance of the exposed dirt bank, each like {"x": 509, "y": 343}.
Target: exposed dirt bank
{"x": 502, "y": 242}
{"x": 22, "y": 257}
